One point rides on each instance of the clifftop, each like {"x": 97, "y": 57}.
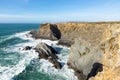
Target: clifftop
{"x": 91, "y": 32}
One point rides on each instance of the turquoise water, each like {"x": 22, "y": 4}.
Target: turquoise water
{"x": 10, "y": 59}
{"x": 15, "y": 64}
{"x": 7, "y": 39}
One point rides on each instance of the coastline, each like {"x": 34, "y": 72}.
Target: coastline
{"x": 87, "y": 42}
{"x": 83, "y": 59}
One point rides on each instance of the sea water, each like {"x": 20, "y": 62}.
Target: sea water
{"x": 17, "y": 64}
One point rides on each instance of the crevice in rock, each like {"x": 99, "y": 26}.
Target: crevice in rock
{"x": 97, "y": 67}
{"x": 55, "y": 32}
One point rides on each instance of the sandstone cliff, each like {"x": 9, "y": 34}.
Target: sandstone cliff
{"x": 88, "y": 52}
{"x": 95, "y": 47}
{"x": 110, "y": 60}
{"x": 67, "y": 32}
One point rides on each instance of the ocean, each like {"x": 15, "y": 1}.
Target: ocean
{"x": 17, "y": 64}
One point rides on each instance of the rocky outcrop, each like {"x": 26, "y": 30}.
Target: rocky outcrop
{"x": 50, "y": 31}
{"x": 47, "y": 52}
{"x": 47, "y": 31}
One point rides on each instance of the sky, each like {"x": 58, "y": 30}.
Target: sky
{"x": 37, "y": 11}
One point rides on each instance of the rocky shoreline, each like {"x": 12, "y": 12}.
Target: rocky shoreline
{"x": 94, "y": 47}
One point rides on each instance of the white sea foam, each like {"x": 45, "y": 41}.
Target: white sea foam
{"x": 22, "y": 35}
{"x": 46, "y": 66}
{"x": 8, "y": 73}
{"x": 5, "y": 38}
{"x": 3, "y": 68}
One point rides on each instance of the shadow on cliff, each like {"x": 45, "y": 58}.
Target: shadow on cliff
{"x": 97, "y": 67}
{"x": 55, "y": 31}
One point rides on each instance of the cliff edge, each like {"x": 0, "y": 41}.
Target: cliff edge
{"x": 94, "y": 51}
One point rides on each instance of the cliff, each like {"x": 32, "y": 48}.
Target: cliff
{"x": 110, "y": 60}
{"x": 94, "y": 50}
{"x": 67, "y": 32}
{"x": 87, "y": 54}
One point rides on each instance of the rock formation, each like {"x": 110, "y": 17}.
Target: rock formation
{"x": 47, "y": 31}
{"x": 47, "y": 52}
{"x": 66, "y": 33}
{"x": 94, "y": 53}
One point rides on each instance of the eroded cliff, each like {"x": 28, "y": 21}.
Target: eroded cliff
{"x": 87, "y": 54}
{"x": 68, "y": 32}
{"x": 110, "y": 60}
{"x": 94, "y": 53}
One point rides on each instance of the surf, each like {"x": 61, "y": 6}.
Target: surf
{"x": 9, "y": 72}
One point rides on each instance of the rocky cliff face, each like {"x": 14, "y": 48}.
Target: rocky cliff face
{"x": 110, "y": 60}
{"x": 94, "y": 53}
{"x": 50, "y": 31}
{"x": 66, "y": 33}
{"x": 88, "y": 52}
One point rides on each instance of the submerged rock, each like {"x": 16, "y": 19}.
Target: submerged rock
{"x": 47, "y": 52}
{"x": 27, "y": 48}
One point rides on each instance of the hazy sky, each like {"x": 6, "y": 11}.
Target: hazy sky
{"x": 37, "y": 11}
